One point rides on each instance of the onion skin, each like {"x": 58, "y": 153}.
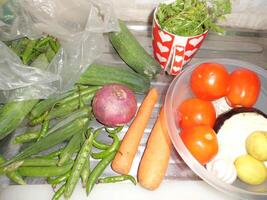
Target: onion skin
{"x": 114, "y": 105}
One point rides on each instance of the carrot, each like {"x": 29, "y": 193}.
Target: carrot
{"x": 124, "y": 157}
{"x": 155, "y": 160}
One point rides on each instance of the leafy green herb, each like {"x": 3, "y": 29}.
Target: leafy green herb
{"x": 192, "y": 17}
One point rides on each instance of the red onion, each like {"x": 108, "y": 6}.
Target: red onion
{"x": 114, "y": 105}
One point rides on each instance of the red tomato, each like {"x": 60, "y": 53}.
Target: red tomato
{"x": 195, "y": 111}
{"x": 201, "y": 141}
{"x": 209, "y": 81}
{"x": 244, "y": 88}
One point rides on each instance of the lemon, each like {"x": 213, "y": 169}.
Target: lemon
{"x": 256, "y": 145}
{"x": 250, "y": 170}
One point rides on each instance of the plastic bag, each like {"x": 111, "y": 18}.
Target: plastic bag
{"x": 78, "y": 25}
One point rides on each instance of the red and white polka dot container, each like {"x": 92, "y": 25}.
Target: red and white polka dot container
{"x": 173, "y": 51}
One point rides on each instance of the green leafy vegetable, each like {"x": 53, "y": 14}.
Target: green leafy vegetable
{"x": 192, "y": 17}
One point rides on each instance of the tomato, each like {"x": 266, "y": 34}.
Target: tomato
{"x": 195, "y": 111}
{"x": 201, "y": 141}
{"x": 244, "y": 88}
{"x": 209, "y": 81}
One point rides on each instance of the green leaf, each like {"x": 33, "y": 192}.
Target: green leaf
{"x": 192, "y": 17}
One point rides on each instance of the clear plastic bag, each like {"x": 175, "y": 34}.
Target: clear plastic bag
{"x": 78, "y": 25}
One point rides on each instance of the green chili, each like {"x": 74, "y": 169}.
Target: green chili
{"x": 115, "y": 145}
{"x": 98, "y": 144}
{"x": 114, "y": 179}
{"x": 59, "y": 179}
{"x": 59, "y": 193}
{"x": 97, "y": 171}
{"x": 78, "y": 166}
{"x": 114, "y": 130}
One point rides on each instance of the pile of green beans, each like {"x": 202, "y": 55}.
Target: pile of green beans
{"x": 28, "y": 50}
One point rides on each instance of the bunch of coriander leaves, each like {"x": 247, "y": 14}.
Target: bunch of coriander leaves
{"x": 192, "y": 17}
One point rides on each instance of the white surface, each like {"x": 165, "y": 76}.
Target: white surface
{"x": 182, "y": 190}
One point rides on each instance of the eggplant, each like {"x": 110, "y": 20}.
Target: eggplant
{"x": 234, "y": 126}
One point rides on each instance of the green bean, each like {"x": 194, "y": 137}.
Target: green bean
{"x": 85, "y": 172}
{"x": 114, "y": 179}
{"x": 14, "y": 175}
{"x": 114, "y": 130}
{"x": 59, "y": 179}
{"x": 115, "y": 145}
{"x": 42, "y": 42}
{"x": 19, "y": 45}
{"x": 44, "y": 130}
{"x": 72, "y": 146}
{"x": 26, "y": 55}
{"x": 45, "y": 171}
{"x": 78, "y": 166}
{"x": 56, "y": 137}
{"x": 54, "y": 44}
{"x": 100, "y": 145}
{"x": 39, "y": 119}
{"x": 26, "y": 137}
{"x": 59, "y": 193}
{"x": 49, "y": 54}
{"x": 97, "y": 171}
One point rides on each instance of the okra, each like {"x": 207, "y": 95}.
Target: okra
{"x": 12, "y": 114}
{"x": 14, "y": 175}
